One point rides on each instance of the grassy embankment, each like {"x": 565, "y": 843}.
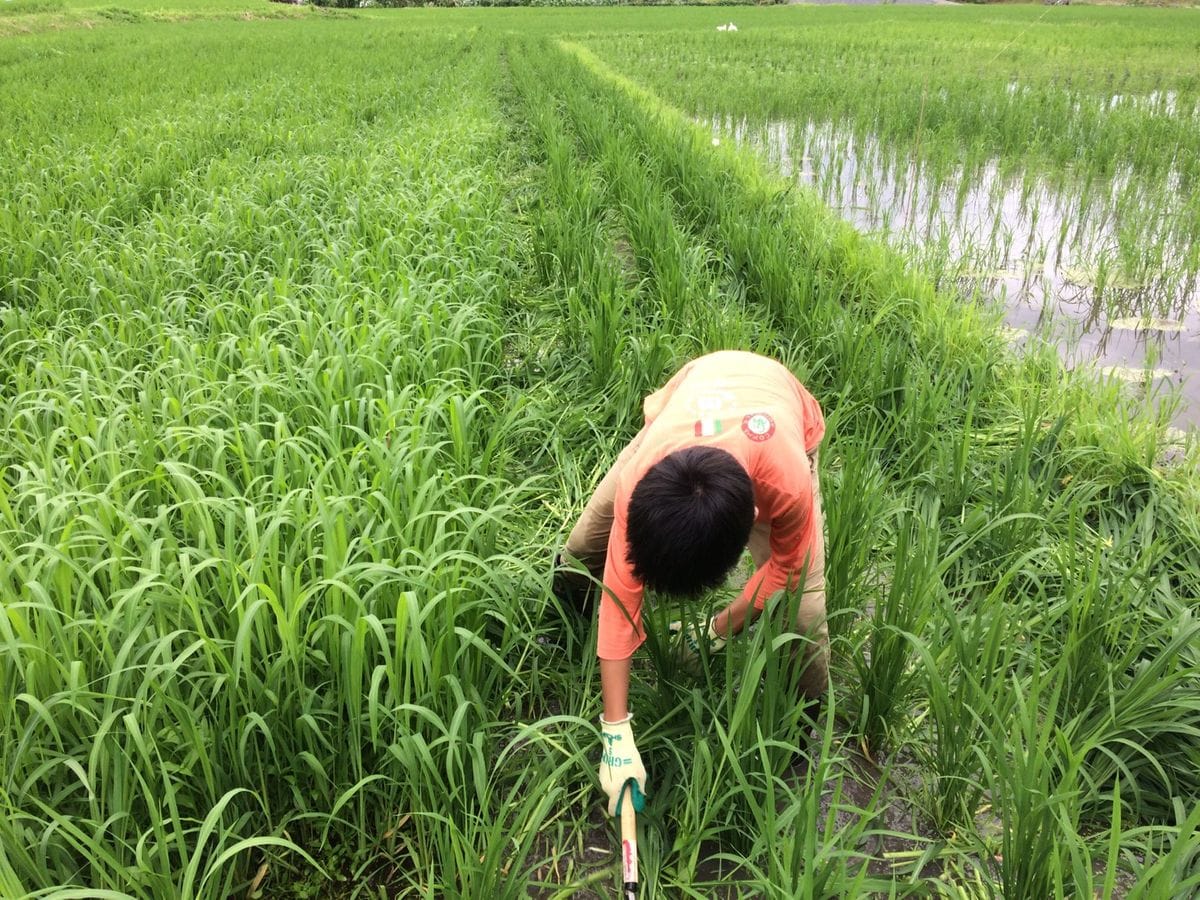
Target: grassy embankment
{"x": 296, "y": 405}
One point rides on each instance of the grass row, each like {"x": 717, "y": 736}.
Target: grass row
{"x": 262, "y": 478}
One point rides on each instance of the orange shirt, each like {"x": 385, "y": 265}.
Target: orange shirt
{"x": 753, "y": 408}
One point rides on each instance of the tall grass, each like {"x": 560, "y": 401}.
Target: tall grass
{"x": 262, "y": 487}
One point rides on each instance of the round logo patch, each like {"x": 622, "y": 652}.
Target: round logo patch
{"x": 758, "y": 426}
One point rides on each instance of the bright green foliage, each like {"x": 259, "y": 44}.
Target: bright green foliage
{"x": 1082, "y": 126}
{"x": 260, "y": 451}
{"x": 1021, "y": 83}
{"x": 311, "y": 357}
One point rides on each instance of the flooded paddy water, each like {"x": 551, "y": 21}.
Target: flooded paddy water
{"x": 1106, "y": 271}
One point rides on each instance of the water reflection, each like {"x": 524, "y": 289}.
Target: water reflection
{"x": 1106, "y": 271}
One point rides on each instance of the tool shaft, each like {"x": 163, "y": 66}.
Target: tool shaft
{"x": 629, "y": 844}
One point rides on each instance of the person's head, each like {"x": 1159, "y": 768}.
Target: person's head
{"x": 689, "y": 520}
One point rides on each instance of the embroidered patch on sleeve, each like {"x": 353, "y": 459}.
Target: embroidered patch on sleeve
{"x": 758, "y": 426}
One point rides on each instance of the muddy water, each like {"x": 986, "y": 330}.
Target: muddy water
{"x": 1101, "y": 272}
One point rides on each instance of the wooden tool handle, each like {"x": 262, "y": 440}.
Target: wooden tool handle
{"x": 629, "y": 844}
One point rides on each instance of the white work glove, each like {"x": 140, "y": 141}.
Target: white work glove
{"x": 621, "y": 764}
{"x": 691, "y": 637}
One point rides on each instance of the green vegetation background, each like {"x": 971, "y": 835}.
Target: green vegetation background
{"x": 318, "y": 332}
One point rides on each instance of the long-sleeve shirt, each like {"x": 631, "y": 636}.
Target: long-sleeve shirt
{"x": 753, "y": 408}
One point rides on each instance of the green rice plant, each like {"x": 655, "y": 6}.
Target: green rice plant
{"x": 574, "y": 235}
{"x": 340, "y": 520}
{"x": 1174, "y": 867}
{"x": 883, "y": 662}
{"x": 741, "y": 781}
{"x": 853, "y": 489}
{"x": 922, "y": 76}
{"x": 811, "y": 852}
{"x": 966, "y": 678}
{"x": 1106, "y": 210}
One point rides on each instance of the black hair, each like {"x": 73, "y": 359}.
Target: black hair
{"x": 689, "y": 520}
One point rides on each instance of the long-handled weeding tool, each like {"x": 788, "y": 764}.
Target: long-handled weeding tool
{"x": 629, "y": 872}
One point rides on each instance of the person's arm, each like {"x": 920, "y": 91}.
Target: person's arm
{"x": 619, "y": 635}
{"x": 791, "y": 543}
{"x": 620, "y": 619}
{"x": 614, "y": 688}
{"x": 736, "y": 616}
{"x": 620, "y": 762}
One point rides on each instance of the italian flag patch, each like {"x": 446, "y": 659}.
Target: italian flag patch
{"x": 707, "y": 427}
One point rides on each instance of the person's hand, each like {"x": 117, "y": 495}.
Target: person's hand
{"x": 621, "y": 764}
{"x": 692, "y": 635}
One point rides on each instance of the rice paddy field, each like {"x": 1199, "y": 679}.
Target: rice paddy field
{"x": 318, "y": 329}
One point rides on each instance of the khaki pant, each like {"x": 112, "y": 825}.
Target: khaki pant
{"x": 588, "y": 544}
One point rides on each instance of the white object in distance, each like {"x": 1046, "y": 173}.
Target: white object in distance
{"x": 729, "y": 26}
